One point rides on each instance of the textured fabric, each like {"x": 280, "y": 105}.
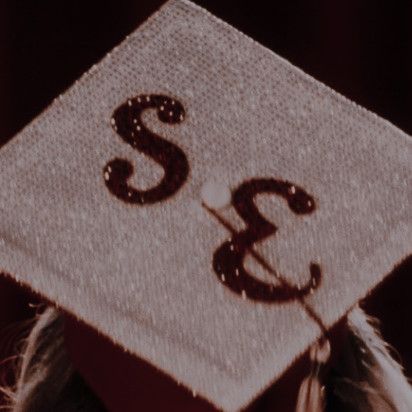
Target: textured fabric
{"x": 143, "y": 274}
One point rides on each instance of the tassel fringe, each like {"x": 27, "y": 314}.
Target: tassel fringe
{"x": 311, "y": 397}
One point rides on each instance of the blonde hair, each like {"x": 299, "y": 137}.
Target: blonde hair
{"x": 46, "y": 380}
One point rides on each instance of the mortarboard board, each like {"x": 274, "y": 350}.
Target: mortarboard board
{"x": 205, "y": 204}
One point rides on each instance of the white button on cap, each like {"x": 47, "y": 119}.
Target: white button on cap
{"x": 215, "y": 194}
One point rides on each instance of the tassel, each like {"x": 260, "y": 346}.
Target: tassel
{"x": 367, "y": 378}
{"x": 311, "y": 392}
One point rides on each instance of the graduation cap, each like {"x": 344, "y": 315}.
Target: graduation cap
{"x": 205, "y": 204}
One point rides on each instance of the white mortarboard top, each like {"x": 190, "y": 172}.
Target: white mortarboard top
{"x": 205, "y": 204}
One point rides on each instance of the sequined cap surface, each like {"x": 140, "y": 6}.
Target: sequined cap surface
{"x": 205, "y": 204}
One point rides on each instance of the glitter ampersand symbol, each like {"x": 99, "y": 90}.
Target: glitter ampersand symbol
{"x": 228, "y": 259}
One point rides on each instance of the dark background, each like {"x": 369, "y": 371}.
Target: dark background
{"x": 360, "y": 48}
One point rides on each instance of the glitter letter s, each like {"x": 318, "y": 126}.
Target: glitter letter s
{"x": 127, "y": 122}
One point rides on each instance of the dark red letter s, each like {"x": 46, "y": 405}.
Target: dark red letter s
{"x": 127, "y": 122}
